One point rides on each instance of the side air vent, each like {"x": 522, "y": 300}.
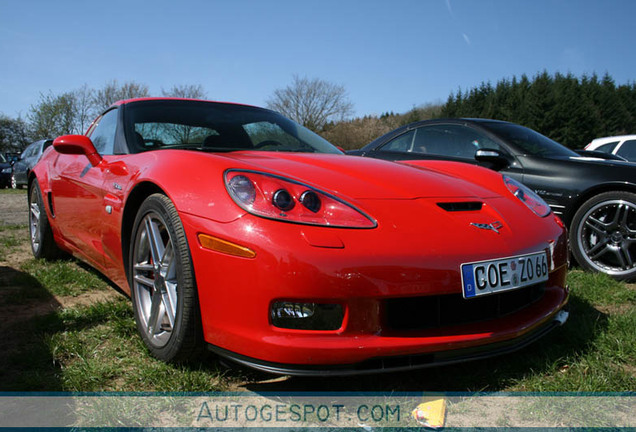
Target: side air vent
{"x": 461, "y": 206}
{"x": 49, "y": 197}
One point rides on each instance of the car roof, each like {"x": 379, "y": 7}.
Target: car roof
{"x": 457, "y": 120}
{"x": 154, "y": 99}
{"x": 613, "y": 138}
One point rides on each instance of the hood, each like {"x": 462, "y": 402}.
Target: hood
{"x": 590, "y": 160}
{"x": 359, "y": 178}
{"x": 603, "y": 161}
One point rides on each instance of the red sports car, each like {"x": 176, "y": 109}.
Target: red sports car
{"x": 235, "y": 229}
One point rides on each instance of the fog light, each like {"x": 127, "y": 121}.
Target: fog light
{"x": 307, "y": 316}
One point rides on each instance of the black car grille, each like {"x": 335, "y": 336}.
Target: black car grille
{"x": 420, "y": 313}
{"x": 461, "y": 206}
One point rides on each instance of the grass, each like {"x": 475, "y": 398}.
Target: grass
{"x": 94, "y": 346}
{"x": 64, "y": 277}
{"x": 10, "y": 191}
{"x": 99, "y": 350}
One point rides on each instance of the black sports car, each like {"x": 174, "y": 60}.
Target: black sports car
{"x": 595, "y": 198}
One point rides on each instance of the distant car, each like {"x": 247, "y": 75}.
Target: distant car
{"x": 233, "y": 227}
{"x": 5, "y": 172}
{"x": 12, "y": 157}
{"x": 596, "y": 198}
{"x": 30, "y": 156}
{"x": 623, "y": 146}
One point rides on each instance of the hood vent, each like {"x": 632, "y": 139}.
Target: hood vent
{"x": 461, "y": 206}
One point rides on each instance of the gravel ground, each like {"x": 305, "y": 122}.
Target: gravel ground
{"x": 13, "y": 209}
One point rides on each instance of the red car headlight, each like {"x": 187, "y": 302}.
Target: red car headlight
{"x": 274, "y": 197}
{"x": 527, "y": 195}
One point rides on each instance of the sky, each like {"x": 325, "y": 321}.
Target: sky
{"x": 389, "y": 55}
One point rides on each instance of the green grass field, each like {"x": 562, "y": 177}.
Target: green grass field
{"x": 66, "y": 329}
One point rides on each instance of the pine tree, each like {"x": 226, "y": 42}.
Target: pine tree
{"x": 570, "y": 110}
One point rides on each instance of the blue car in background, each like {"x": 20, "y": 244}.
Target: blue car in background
{"x": 29, "y": 157}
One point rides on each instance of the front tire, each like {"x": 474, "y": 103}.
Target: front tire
{"x": 603, "y": 234}
{"x": 163, "y": 287}
{"x": 42, "y": 242}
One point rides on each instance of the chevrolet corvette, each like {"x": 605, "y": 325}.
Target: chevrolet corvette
{"x": 235, "y": 229}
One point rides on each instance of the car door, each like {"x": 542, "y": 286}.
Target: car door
{"x": 78, "y": 195}
{"x": 20, "y": 168}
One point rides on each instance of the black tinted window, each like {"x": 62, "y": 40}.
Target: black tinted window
{"x": 402, "y": 143}
{"x": 607, "y": 148}
{"x": 628, "y": 150}
{"x": 31, "y": 150}
{"x": 455, "y": 141}
{"x": 213, "y": 126}
{"x": 528, "y": 141}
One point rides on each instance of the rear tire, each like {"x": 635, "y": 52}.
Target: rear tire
{"x": 603, "y": 234}
{"x": 163, "y": 286}
{"x": 42, "y": 242}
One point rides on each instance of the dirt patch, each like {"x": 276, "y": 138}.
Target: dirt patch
{"x": 87, "y": 299}
{"x": 614, "y": 309}
{"x": 21, "y": 299}
{"x": 14, "y": 209}
{"x": 16, "y": 255}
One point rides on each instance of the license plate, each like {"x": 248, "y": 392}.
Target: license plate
{"x": 487, "y": 277}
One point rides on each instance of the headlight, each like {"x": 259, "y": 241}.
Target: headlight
{"x": 279, "y": 198}
{"x": 527, "y": 195}
{"x": 6, "y": 170}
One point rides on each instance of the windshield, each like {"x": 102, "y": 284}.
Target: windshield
{"x": 210, "y": 126}
{"x": 529, "y": 141}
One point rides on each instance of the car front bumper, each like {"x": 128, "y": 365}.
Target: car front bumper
{"x": 361, "y": 270}
{"x": 401, "y": 363}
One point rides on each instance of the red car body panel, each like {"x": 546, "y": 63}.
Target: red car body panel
{"x": 416, "y": 250}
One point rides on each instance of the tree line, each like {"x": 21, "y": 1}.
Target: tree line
{"x": 568, "y": 109}
{"x": 73, "y": 111}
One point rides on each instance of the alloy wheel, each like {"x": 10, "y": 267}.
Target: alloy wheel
{"x": 35, "y": 214}
{"x": 608, "y": 236}
{"x": 155, "y": 275}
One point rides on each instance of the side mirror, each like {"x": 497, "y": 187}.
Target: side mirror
{"x": 492, "y": 158}
{"x": 77, "y": 145}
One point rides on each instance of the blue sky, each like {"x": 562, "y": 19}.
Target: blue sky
{"x": 389, "y": 55}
